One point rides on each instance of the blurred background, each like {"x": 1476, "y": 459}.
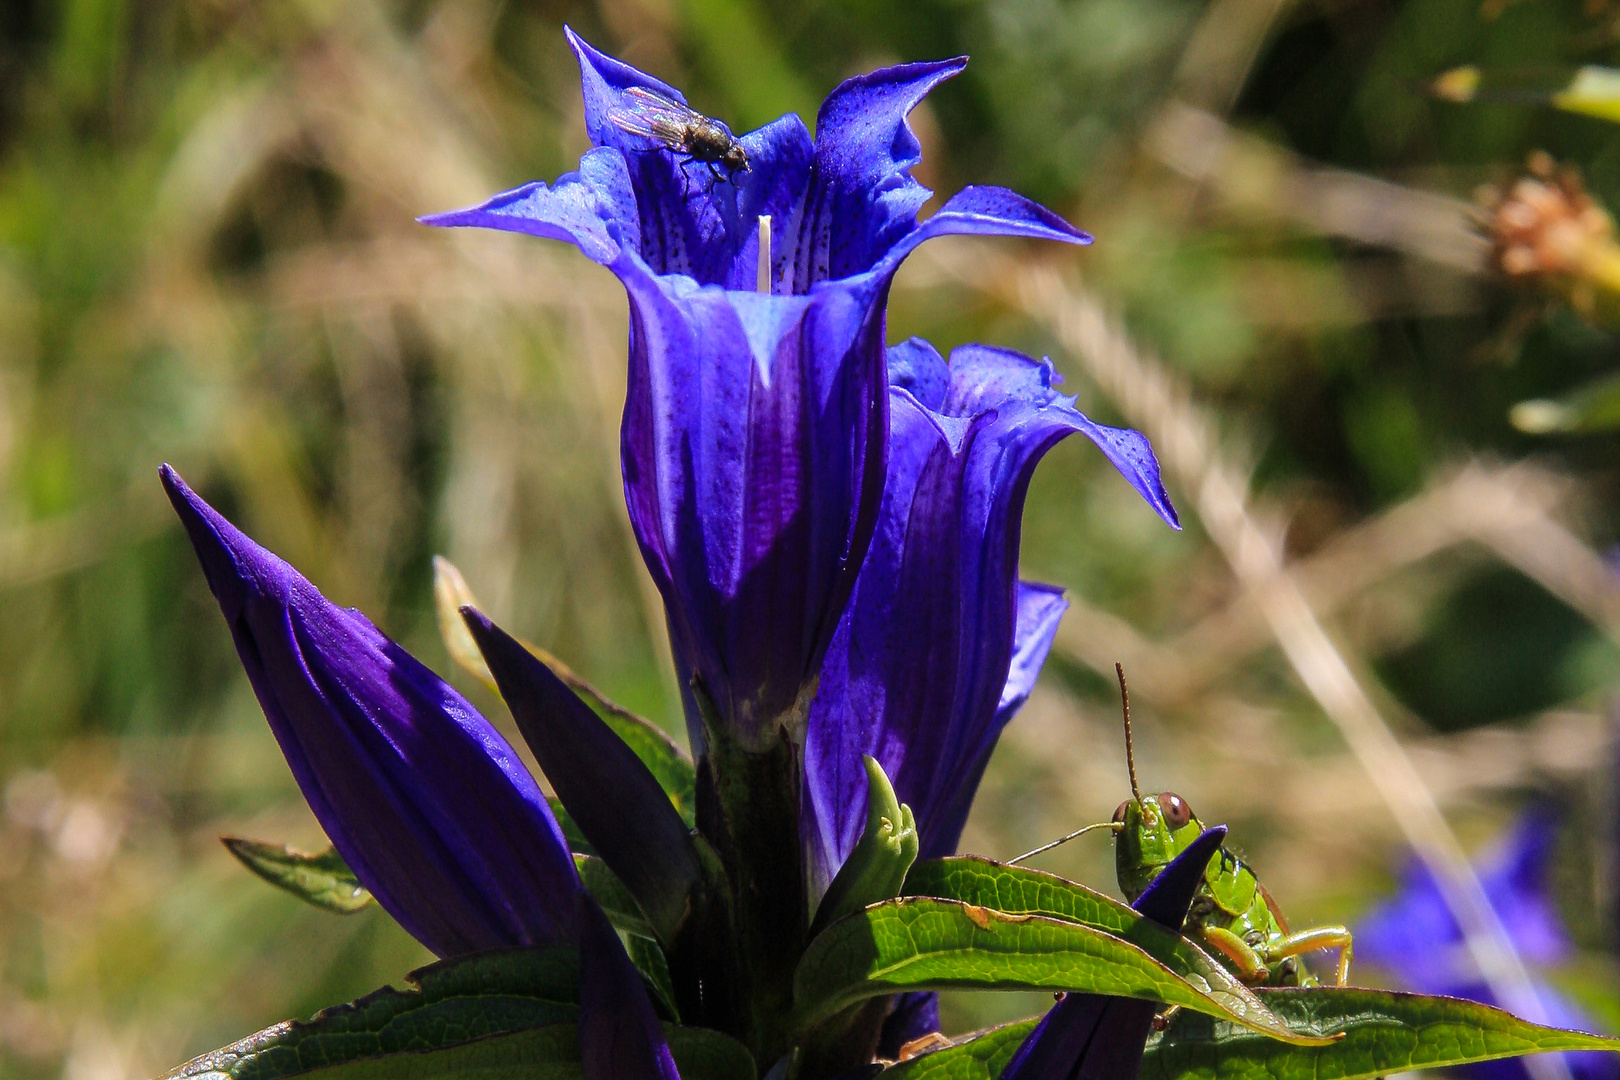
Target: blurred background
{"x": 1367, "y": 318}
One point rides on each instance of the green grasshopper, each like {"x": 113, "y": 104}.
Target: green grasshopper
{"x": 1232, "y": 913}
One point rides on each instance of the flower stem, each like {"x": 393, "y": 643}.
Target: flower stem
{"x": 748, "y": 806}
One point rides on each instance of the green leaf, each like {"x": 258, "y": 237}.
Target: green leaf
{"x": 545, "y": 1053}
{"x": 1385, "y": 1032}
{"x": 637, "y": 933}
{"x": 701, "y": 1054}
{"x": 576, "y": 839}
{"x": 603, "y": 884}
{"x": 453, "y": 1002}
{"x": 877, "y": 867}
{"x": 920, "y": 943}
{"x": 550, "y": 1052}
{"x": 1018, "y": 890}
{"x": 668, "y": 763}
{"x": 980, "y": 1056}
{"x": 322, "y": 879}
{"x": 648, "y": 956}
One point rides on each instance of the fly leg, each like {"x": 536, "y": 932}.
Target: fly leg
{"x": 1318, "y": 937}
{"x": 1250, "y": 966}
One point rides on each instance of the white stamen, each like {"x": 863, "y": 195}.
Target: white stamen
{"x": 764, "y": 274}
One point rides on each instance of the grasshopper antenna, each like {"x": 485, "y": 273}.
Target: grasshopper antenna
{"x": 1125, "y": 703}
{"x": 1112, "y": 826}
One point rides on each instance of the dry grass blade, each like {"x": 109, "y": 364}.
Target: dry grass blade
{"x": 1252, "y": 175}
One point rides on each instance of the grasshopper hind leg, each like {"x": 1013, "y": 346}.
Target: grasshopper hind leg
{"x": 1318, "y": 937}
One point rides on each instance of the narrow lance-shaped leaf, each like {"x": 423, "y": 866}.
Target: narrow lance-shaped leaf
{"x": 1384, "y": 1033}
{"x": 1019, "y": 891}
{"x": 1591, "y": 90}
{"x": 619, "y": 1036}
{"x": 608, "y": 791}
{"x": 1592, "y": 407}
{"x": 920, "y": 943}
{"x": 424, "y": 799}
{"x": 876, "y": 869}
{"x": 1096, "y": 1037}
{"x": 608, "y": 891}
{"x": 667, "y": 762}
{"x": 322, "y": 879}
{"x": 473, "y": 997}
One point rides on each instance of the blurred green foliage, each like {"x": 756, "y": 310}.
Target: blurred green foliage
{"x": 208, "y": 256}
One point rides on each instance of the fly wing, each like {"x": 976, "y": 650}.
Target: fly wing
{"x": 654, "y": 116}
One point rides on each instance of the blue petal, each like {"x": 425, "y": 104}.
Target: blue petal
{"x": 753, "y": 465}
{"x": 1415, "y": 937}
{"x": 1040, "y": 610}
{"x": 862, "y": 199}
{"x": 1096, "y": 1037}
{"x": 928, "y": 663}
{"x": 987, "y": 378}
{"x": 611, "y": 795}
{"x": 1168, "y": 896}
{"x": 916, "y": 366}
{"x": 688, "y": 221}
{"x": 986, "y": 211}
{"x": 594, "y": 209}
{"x": 604, "y": 79}
{"x": 417, "y": 791}
{"x": 620, "y": 1037}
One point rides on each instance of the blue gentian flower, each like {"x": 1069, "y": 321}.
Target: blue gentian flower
{"x": 422, "y": 797}
{"x": 1415, "y": 937}
{"x": 1095, "y": 1037}
{"x": 941, "y": 643}
{"x": 755, "y": 425}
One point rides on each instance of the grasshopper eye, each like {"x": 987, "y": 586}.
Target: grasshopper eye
{"x": 1119, "y": 814}
{"x": 1176, "y": 811}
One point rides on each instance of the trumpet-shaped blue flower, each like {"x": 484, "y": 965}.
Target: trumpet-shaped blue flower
{"x": 421, "y": 796}
{"x": 941, "y": 642}
{"x": 755, "y": 423}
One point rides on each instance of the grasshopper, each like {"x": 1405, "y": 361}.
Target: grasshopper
{"x": 1231, "y": 913}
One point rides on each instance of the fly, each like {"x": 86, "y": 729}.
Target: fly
{"x": 681, "y": 130}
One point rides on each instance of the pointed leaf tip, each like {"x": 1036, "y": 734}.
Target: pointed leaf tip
{"x": 670, "y": 766}
{"x": 607, "y": 790}
{"x": 451, "y": 597}
{"x": 322, "y": 879}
